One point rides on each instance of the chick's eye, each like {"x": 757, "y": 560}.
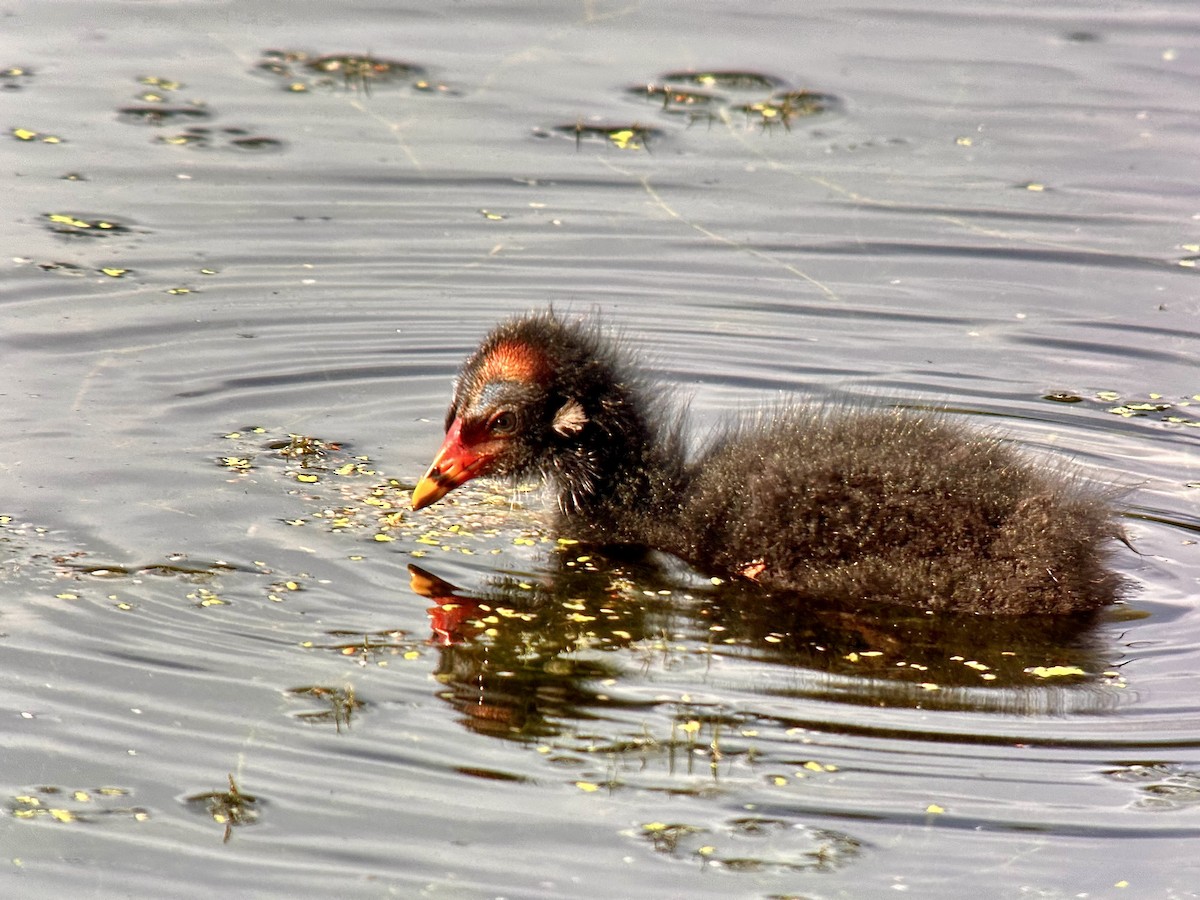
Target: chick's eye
{"x": 503, "y": 422}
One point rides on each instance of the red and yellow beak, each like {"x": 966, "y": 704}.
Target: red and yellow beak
{"x": 455, "y": 464}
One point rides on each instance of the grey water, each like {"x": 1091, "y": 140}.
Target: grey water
{"x": 246, "y": 247}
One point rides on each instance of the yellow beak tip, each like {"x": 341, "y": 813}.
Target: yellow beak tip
{"x": 426, "y": 493}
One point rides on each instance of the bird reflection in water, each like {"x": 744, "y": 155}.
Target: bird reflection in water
{"x": 527, "y": 655}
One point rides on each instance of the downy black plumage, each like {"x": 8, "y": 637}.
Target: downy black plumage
{"x": 860, "y": 505}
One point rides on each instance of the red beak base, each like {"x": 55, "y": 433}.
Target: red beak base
{"x": 455, "y": 464}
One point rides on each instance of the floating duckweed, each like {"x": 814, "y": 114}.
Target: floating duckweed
{"x": 1062, "y": 397}
{"x": 679, "y": 101}
{"x": 163, "y": 84}
{"x": 726, "y": 80}
{"x": 68, "y": 224}
{"x": 340, "y": 704}
{"x": 361, "y": 67}
{"x": 231, "y": 808}
{"x": 781, "y": 109}
{"x": 206, "y": 598}
{"x": 13, "y": 78}
{"x": 29, "y": 135}
{"x": 302, "y": 71}
{"x": 90, "y": 805}
{"x": 623, "y": 137}
{"x": 813, "y": 766}
{"x": 221, "y": 138}
{"x": 1054, "y": 671}
{"x": 156, "y": 115}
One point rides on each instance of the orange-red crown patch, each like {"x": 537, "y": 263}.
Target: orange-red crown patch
{"x": 514, "y": 361}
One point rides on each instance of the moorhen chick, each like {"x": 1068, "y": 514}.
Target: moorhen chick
{"x": 843, "y": 504}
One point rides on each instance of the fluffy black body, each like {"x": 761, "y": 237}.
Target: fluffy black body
{"x": 848, "y": 504}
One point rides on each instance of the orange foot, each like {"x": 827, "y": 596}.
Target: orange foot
{"x": 752, "y": 570}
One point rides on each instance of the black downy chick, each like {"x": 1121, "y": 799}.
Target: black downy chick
{"x": 857, "y": 505}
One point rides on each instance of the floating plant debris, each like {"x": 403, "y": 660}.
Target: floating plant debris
{"x": 31, "y": 136}
{"x": 755, "y": 844}
{"x": 678, "y": 101}
{"x": 725, "y": 80}
{"x": 256, "y": 144}
{"x": 280, "y": 62}
{"x": 62, "y": 268}
{"x": 350, "y": 496}
{"x": 161, "y": 115}
{"x": 1062, "y": 397}
{"x": 715, "y": 96}
{"x": 70, "y": 805}
{"x": 1162, "y": 786}
{"x": 338, "y": 704}
{"x": 303, "y": 71}
{"x": 229, "y": 808}
{"x": 304, "y": 448}
{"x": 1055, "y": 671}
{"x": 371, "y": 647}
{"x": 84, "y": 226}
{"x": 153, "y": 111}
{"x": 1174, "y": 411}
{"x": 429, "y": 87}
{"x": 193, "y": 136}
{"x": 187, "y": 574}
{"x": 623, "y": 137}
{"x": 162, "y": 84}
{"x": 359, "y": 70}
{"x": 781, "y": 109}
{"x": 13, "y": 78}
{"x": 204, "y": 138}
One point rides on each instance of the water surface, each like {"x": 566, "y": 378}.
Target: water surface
{"x": 214, "y": 244}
